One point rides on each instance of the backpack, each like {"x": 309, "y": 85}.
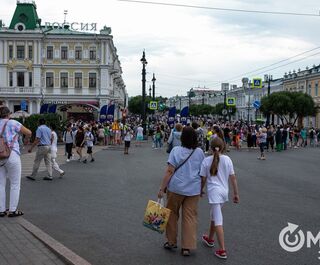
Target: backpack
{"x": 5, "y": 150}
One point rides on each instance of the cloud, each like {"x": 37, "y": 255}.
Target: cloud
{"x": 193, "y": 47}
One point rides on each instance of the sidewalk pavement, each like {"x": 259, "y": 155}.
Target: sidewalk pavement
{"x": 22, "y": 243}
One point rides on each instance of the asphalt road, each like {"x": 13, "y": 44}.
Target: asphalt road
{"x": 96, "y": 210}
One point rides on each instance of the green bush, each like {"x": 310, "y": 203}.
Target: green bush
{"x": 32, "y": 122}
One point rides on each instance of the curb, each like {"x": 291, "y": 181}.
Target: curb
{"x": 60, "y": 250}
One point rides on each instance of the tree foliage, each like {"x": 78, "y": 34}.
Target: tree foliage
{"x": 135, "y": 104}
{"x": 288, "y": 105}
{"x": 197, "y": 110}
{"x": 32, "y": 122}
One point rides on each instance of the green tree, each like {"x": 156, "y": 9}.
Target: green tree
{"x": 303, "y": 105}
{"x": 135, "y": 104}
{"x": 32, "y": 122}
{"x": 198, "y": 110}
{"x": 218, "y": 109}
{"x": 288, "y": 105}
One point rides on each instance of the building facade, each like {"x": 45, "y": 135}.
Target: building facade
{"x": 74, "y": 73}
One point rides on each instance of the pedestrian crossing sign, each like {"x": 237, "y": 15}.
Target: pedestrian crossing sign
{"x": 257, "y": 82}
{"x": 153, "y": 105}
{"x": 231, "y": 101}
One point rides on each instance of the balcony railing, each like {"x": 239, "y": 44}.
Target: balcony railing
{"x": 19, "y": 90}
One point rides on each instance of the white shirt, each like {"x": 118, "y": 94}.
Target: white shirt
{"x": 139, "y": 131}
{"x": 217, "y": 186}
{"x": 128, "y": 137}
{"x": 54, "y": 144}
{"x": 88, "y": 136}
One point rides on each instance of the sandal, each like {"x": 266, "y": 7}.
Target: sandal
{"x": 185, "y": 252}
{"x": 3, "y": 214}
{"x": 169, "y": 246}
{"x": 15, "y": 214}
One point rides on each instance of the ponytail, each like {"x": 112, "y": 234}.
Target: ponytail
{"x": 215, "y": 162}
{"x": 217, "y": 146}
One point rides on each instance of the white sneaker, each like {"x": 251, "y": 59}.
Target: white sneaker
{"x": 68, "y": 160}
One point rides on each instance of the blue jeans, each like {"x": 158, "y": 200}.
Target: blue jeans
{"x": 158, "y": 143}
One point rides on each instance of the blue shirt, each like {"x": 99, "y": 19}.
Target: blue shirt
{"x": 186, "y": 180}
{"x": 44, "y": 134}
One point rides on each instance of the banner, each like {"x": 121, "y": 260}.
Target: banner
{"x": 52, "y": 108}
{"x": 171, "y": 116}
{"x": 184, "y": 115}
{"x": 103, "y": 113}
{"x": 44, "y": 108}
{"x": 110, "y": 113}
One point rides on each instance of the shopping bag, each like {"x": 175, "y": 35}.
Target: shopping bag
{"x": 156, "y": 216}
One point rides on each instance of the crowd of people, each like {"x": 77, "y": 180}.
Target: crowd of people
{"x": 197, "y": 158}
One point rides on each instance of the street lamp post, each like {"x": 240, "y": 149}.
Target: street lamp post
{"x": 225, "y": 88}
{"x": 203, "y": 98}
{"x": 153, "y": 87}
{"x": 245, "y": 84}
{"x": 144, "y": 63}
{"x": 150, "y": 91}
{"x": 269, "y": 77}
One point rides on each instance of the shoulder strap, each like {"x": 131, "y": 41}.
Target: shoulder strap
{"x": 184, "y": 161}
{"x": 3, "y": 128}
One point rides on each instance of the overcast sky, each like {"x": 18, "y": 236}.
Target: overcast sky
{"x": 188, "y": 47}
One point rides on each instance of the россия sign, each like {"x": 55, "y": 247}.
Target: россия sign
{"x": 77, "y": 26}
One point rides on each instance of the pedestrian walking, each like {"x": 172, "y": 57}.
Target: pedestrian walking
{"x": 278, "y": 139}
{"x": 54, "y": 150}
{"x": 79, "y": 141}
{"x": 182, "y": 183}
{"x": 262, "y": 138}
{"x": 175, "y": 137}
{"x": 43, "y": 143}
{"x": 88, "y": 137}
{"x": 216, "y": 170}
{"x": 10, "y": 162}
{"x": 68, "y": 138}
{"x": 127, "y": 140}
{"x": 139, "y": 135}
{"x": 158, "y": 138}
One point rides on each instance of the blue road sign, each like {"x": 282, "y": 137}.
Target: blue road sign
{"x": 23, "y": 105}
{"x": 257, "y": 104}
{"x": 257, "y": 83}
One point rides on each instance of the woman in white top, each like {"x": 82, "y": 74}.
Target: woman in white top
{"x": 54, "y": 150}
{"x": 217, "y": 169}
{"x": 10, "y": 168}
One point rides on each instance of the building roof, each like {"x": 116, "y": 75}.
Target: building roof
{"x": 26, "y": 14}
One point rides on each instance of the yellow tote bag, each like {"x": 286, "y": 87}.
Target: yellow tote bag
{"x": 156, "y": 216}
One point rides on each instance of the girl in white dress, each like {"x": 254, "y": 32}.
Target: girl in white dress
{"x": 216, "y": 170}
{"x": 54, "y": 150}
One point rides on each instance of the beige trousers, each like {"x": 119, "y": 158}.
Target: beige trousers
{"x": 43, "y": 152}
{"x": 189, "y": 206}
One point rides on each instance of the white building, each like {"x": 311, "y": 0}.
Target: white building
{"x": 60, "y": 65}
